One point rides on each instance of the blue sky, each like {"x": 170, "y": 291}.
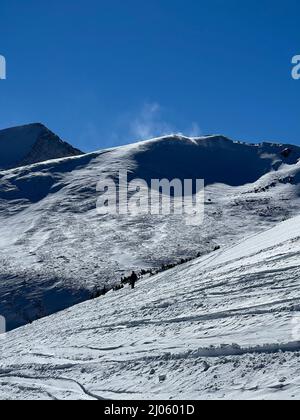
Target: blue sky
{"x": 106, "y": 72}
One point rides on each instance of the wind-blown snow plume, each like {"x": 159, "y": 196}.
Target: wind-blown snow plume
{"x": 150, "y": 123}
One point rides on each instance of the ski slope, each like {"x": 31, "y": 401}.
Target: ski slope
{"x": 55, "y": 248}
{"x": 225, "y": 326}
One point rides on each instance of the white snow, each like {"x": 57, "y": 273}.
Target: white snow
{"x": 55, "y": 248}
{"x": 29, "y": 144}
{"x": 221, "y": 326}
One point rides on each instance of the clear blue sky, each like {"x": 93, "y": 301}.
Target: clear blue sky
{"x": 106, "y": 72}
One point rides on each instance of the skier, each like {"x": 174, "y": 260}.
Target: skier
{"x": 133, "y": 279}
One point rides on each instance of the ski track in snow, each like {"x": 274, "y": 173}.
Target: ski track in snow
{"x": 217, "y": 327}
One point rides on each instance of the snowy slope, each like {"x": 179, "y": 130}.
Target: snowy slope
{"x": 30, "y": 144}
{"x": 216, "y": 159}
{"x": 223, "y": 326}
{"x": 54, "y": 248}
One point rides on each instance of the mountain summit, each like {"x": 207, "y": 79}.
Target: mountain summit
{"x": 29, "y": 144}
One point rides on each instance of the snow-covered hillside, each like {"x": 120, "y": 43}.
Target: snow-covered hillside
{"x": 30, "y": 144}
{"x": 55, "y": 248}
{"x": 223, "y": 326}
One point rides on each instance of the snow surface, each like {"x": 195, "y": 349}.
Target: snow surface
{"x": 13, "y": 150}
{"x": 55, "y": 248}
{"x": 29, "y": 144}
{"x": 219, "y": 327}
{"x": 224, "y": 325}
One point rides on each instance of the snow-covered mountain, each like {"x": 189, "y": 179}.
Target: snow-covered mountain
{"x": 216, "y": 326}
{"x": 55, "y": 248}
{"x": 30, "y": 144}
{"x": 225, "y": 326}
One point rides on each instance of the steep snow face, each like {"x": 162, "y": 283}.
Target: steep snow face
{"x": 30, "y": 144}
{"x": 225, "y": 326}
{"x": 216, "y": 159}
{"x": 55, "y": 248}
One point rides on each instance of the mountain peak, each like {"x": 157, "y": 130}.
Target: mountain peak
{"x": 31, "y": 143}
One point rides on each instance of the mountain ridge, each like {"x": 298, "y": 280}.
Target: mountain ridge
{"x": 31, "y": 143}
